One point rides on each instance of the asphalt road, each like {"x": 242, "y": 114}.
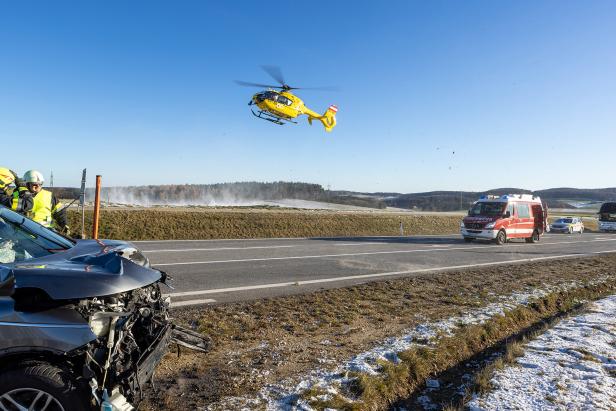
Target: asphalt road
{"x": 216, "y": 271}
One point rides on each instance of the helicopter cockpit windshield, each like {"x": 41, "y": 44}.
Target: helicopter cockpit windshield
{"x": 267, "y": 95}
{"x": 270, "y": 95}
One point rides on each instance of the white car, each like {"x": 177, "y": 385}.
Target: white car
{"x": 568, "y": 225}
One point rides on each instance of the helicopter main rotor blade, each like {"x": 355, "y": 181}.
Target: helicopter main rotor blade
{"x": 248, "y": 84}
{"x": 275, "y": 72}
{"x": 322, "y": 88}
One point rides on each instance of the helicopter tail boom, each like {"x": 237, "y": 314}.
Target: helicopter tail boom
{"x": 328, "y": 119}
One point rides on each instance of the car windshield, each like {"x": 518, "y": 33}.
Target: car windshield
{"x": 564, "y": 221}
{"x": 484, "y": 209}
{"x": 22, "y": 239}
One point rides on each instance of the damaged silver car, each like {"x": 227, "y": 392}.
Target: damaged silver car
{"x": 83, "y": 323}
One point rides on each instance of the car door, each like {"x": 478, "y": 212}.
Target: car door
{"x": 7, "y": 282}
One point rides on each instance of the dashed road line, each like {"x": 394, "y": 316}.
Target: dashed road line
{"x": 175, "y": 250}
{"x": 192, "y": 302}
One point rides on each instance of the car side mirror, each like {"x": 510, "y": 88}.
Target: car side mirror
{"x": 507, "y": 214}
{"x": 7, "y": 282}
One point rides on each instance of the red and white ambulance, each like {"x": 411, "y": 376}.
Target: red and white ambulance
{"x": 500, "y": 218}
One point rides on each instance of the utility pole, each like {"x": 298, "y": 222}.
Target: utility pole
{"x": 51, "y": 179}
{"x": 82, "y": 202}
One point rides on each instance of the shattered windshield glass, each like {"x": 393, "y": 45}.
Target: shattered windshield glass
{"x": 22, "y": 239}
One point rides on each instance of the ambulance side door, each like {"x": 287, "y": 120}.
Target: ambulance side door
{"x": 525, "y": 221}
{"x": 510, "y": 223}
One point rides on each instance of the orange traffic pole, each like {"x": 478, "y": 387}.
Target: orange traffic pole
{"x": 97, "y": 207}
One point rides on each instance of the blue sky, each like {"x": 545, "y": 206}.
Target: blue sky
{"x": 523, "y": 92}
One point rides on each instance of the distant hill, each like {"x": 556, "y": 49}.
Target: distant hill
{"x": 242, "y": 192}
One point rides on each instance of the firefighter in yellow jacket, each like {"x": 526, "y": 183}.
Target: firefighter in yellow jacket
{"x": 46, "y": 209}
{"x": 16, "y": 198}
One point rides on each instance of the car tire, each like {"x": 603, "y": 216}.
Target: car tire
{"x": 468, "y": 239}
{"x": 570, "y": 230}
{"x": 501, "y": 237}
{"x": 45, "y": 382}
{"x": 582, "y": 230}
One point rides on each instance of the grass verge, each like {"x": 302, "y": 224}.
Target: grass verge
{"x": 171, "y": 224}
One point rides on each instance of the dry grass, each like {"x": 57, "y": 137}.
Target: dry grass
{"x": 171, "y": 224}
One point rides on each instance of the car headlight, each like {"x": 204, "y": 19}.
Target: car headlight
{"x": 99, "y": 323}
{"x": 490, "y": 225}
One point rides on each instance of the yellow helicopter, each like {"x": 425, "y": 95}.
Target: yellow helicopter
{"x": 279, "y": 105}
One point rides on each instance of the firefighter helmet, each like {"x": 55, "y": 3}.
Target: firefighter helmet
{"x": 33, "y": 176}
{"x": 6, "y": 176}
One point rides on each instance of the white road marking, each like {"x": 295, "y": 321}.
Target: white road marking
{"x": 304, "y": 257}
{"x": 375, "y": 275}
{"x": 353, "y": 244}
{"x": 219, "y": 239}
{"x": 192, "y": 302}
{"x": 217, "y": 249}
{"x": 292, "y": 238}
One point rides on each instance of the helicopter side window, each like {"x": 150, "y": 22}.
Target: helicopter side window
{"x": 284, "y": 100}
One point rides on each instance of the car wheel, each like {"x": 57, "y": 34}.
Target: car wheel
{"x": 501, "y": 237}
{"x": 570, "y": 230}
{"x": 468, "y": 239}
{"x": 41, "y": 386}
{"x": 582, "y": 230}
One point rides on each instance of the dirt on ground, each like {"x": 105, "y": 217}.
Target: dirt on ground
{"x": 282, "y": 339}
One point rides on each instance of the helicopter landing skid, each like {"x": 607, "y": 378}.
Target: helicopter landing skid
{"x": 264, "y": 115}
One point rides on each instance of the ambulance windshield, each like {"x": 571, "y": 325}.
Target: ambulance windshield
{"x": 485, "y": 209}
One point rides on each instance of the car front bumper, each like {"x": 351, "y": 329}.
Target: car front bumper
{"x": 607, "y": 226}
{"x": 147, "y": 365}
{"x": 478, "y": 234}
{"x": 559, "y": 229}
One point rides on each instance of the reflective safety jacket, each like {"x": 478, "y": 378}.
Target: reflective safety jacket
{"x": 47, "y": 210}
{"x": 21, "y": 200}
{"x": 17, "y": 199}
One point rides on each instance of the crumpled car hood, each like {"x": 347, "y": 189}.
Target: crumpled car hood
{"x": 92, "y": 268}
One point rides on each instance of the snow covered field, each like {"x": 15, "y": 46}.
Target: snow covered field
{"x": 286, "y": 397}
{"x": 571, "y": 366}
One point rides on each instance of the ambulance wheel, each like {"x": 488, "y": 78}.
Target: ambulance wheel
{"x": 468, "y": 239}
{"x": 501, "y": 237}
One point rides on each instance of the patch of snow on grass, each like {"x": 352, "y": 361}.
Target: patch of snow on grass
{"x": 572, "y": 366}
{"x": 279, "y": 398}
